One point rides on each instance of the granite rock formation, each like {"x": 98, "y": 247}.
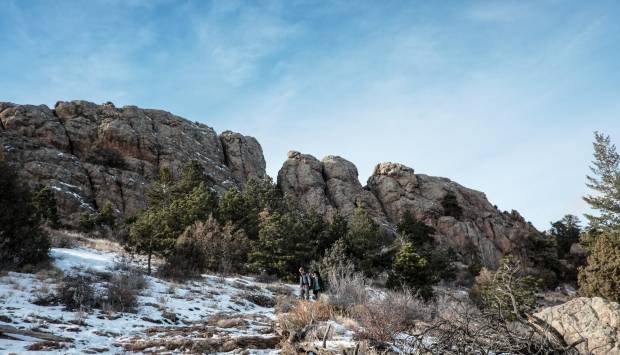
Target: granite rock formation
{"x": 332, "y": 186}
{"x": 89, "y": 154}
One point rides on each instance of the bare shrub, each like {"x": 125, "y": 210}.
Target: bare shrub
{"x": 302, "y": 316}
{"x": 207, "y": 246}
{"x": 461, "y": 328}
{"x": 61, "y": 238}
{"x": 259, "y": 299}
{"x": 122, "y": 291}
{"x": 346, "y": 287}
{"x": 76, "y": 292}
{"x": 381, "y": 319}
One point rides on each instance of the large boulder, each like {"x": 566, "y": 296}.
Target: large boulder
{"x": 90, "y": 154}
{"x": 595, "y": 320}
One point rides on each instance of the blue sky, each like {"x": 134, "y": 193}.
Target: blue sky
{"x": 500, "y": 96}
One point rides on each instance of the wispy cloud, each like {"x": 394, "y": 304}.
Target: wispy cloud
{"x": 500, "y": 96}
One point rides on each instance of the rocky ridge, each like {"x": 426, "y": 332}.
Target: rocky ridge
{"x": 331, "y": 186}
{"x": 90, "y": 154}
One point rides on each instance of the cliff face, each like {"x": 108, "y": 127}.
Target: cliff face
{"x": 89, "y": 154}
{"x": 332, "y": 186}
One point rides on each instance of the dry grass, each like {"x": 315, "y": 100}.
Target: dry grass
{"x": 303, "y": 315}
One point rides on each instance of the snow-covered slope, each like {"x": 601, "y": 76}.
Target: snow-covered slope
{"x": 197, "y": 316}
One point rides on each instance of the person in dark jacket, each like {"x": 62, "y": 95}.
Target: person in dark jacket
{"x": 317, "y": 284}
{"x": 305, "y": 284}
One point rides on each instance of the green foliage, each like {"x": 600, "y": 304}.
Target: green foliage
{"x": 45, "y": 203}
{"x": 22, "y": 241}
{"x": 364, "y": 243}
{"x": 432, "y": 263}
{"x": 172, "y": 208}
{"x": 507, "y": 292}
{"x": 566, "y": 232}
{"x": 601, "y": 276}
{"x": 412, "y": 270}
{"x": 414, "y": 230}
{"x": 88, "y": 221}
{"x": 107, "y": 157}
{"x": 282, "y": 245}
{"x": 242, "y": 208}
{"x": 451, "y": 205}
{"x": 543, "y": 253}
{"x": 192, "y": 175}
{"x": 605, "y": 184}
{"x": 106, "y": 215}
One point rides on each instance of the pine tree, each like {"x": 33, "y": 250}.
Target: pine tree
{"x": 451, "y": 205}
{"x": 106, "y": 215}
{"x": 45, "y": 204}
{"x": 601, "y": 276}
{"x": 566, "y": 232}
{"x": 22, "y": 241}
{"x": 605, "y": 183}
{"x": 364, "y": 242}
{"x": 415, "y": 231}
{"x": 410, "y": 269}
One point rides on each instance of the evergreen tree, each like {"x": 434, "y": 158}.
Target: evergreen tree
{"x": 192, "y": 175}
{"x": 106, "y": 215}
{"x": 364, "y": 242}
{"x": 566, "y": 232}
{"x": 451, "y": 205}
{"x": 415, "y": 231}
{"x": 45, "y": 204}
{"x": 22, "y": 241}
{"x": 605, "y": 184}
{"x": 601, "y": 276}
{"x": 150, "y": 235}
{"x": 411, "y": 269}
{"x": 242, "y": 208}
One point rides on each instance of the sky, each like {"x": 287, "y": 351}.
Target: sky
{"x": 500, "y": 96}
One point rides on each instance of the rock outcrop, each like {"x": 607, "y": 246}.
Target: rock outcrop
{"x": 243, "y": 155}
{"x": 301, "y": 176}
{"x": 595, "y": 320}
{"x": 89, "y": 154}
{"x": 479, "y": 230}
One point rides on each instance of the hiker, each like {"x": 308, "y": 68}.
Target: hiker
{"x": 317, "y": 284}
{"x": 305, "y": 283}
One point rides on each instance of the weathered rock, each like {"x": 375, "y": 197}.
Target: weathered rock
{"x": 301, "y": 176}
{"x": 345, "y": 191}
{"x": 481, "y": 229}
{"x": 595, "y": 320}
{"x": 243, "y": 156}
{"x": 332, "y": 186}
{"x": 89, "y": 154}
